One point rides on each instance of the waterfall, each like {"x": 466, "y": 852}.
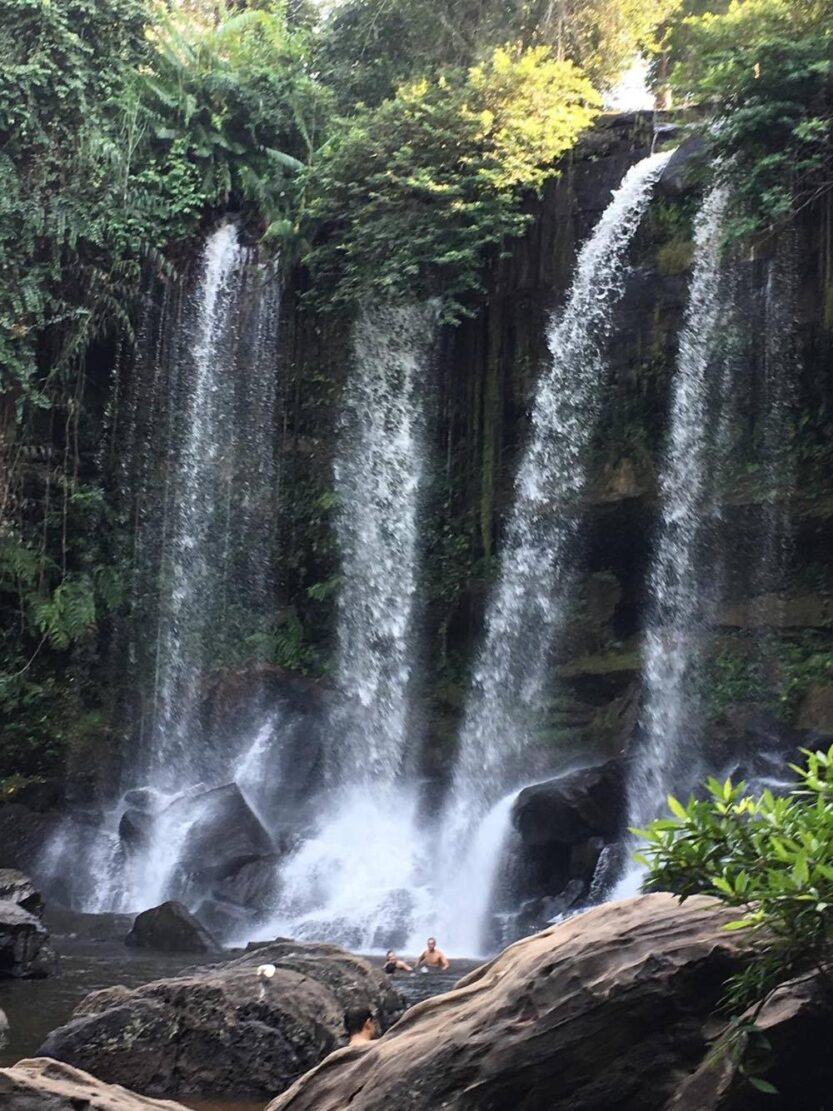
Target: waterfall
{"x": 196, "y": 509}
{"x": 379, "y": 472}
{"x": 528, "y": 603}
{"x": 353, "y": 880}
{"x": 679, "y": 571}
{"x": 197, "y": 479}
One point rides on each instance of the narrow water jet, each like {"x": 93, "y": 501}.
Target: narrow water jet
{"x": 676, "y": 618}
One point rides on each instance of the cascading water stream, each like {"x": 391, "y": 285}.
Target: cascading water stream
{"x": 198, "y": 481}
{"x": 528, "y": 603}
{"x": 197, "y": 491}
{"x": 353, "y": 880}
{"x": 677, "y": 575}
{"x": 689, "y": 573}
{"x": 379, "y": 473}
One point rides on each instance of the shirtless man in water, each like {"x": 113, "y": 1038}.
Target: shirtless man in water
{"x": 432, "y": 957}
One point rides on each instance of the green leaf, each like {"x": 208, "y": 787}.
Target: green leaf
{"x": 762, "y": 1085}
{"x": 677, "y": 808}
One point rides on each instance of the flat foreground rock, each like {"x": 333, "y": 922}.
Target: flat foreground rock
{"x": 43, "y": 1085}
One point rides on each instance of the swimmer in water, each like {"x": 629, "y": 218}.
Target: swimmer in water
{"x": 394, "y": 964}
{"x": 432, "y": 958}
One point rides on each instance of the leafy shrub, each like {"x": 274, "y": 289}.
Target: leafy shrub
{"x": 413, "y": 192}
{"x": 765, "y": 69}
{"x": 769, "y": 856}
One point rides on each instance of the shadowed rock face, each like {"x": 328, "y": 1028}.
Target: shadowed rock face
{"x": 25, "y": 949}
{"x": 796, "y": 1022}
{"x": 605, "y": 1010}
{"x": 15, "y": 887}
{"x": 219, "y": 1030}
{"x": 43, "y": 1085}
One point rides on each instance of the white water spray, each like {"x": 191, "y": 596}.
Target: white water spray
{"x": 356, "y": 879}
{"x": 379, "y": 475}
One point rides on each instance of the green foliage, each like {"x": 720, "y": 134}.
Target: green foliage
{"x": 736, "y": 674}
{"x": 766, "y": 69}
{"x": 368, "y": 48}
{"x": 768, "y": 856}
{"x": 413, "y": 192}
{"x": 805, "y": 662}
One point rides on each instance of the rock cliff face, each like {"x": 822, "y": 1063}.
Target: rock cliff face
{"x": 612, "y": 1008}
{"x": 483, "y": 374}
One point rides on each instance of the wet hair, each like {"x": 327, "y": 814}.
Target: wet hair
{"x": 390, "y": 953}
{"x": 355, "y": 1018}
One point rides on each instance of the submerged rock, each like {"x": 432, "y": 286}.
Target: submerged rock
{"x": 25, "y": 949}
{"x": 170, "y": 928}
{"x": 610, "y": 1008}
{"x": 39, "y": 1084}
{"x": 234, "y": 1034}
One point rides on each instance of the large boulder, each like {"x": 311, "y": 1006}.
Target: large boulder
{"x": 681, "y": 171}
{"x": 234, "y": 1033}
{"x": 25, "y": 950}
{"x": 572, "y": 807}
{"x": 224, "y": 832}
{"x": 135, "y": 828}
{"x": 15, "y": 887}
{"x": 40, "y": 1084}
{"x": 244, "y": 899}
{"x": 170, "y": 928}
{"x": 610, "y": 1008}
{"x": 561, "y": 828}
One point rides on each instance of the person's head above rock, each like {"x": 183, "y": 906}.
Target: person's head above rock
{"x": 359, "y": 1024}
